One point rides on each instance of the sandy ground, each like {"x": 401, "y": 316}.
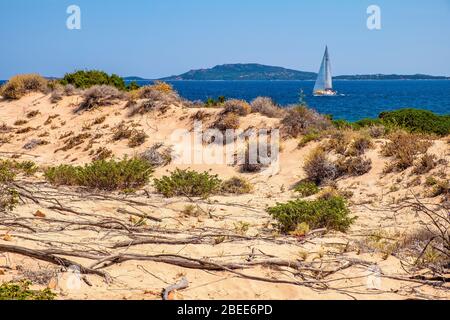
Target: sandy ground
{"x": 222, "y": 214}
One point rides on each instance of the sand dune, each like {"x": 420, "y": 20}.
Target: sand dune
{"x": 371, "y": 194}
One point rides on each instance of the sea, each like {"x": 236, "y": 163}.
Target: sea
{"x": 356, "y": 99}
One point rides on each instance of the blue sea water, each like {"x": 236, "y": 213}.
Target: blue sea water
{"x": 357, "y": 99}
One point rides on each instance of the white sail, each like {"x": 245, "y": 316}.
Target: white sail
{"x": 324, "y": 79}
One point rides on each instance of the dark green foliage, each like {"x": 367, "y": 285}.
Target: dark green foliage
{"x": 342, "y": 124}
{"x": 331, "y": 213}
{"x": 22, "y": 291}
{"x": 103, "y": 175}
{"x": 86, "y": 79}
{"x": 365, "y": 123}
{"x": 188, "y": 183}
{"x": 306, "y": 188}
{"x": 416, "y": 120}
{"x": 133, "y": 85}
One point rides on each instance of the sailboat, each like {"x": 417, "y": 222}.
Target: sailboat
{"x": 324, "y": 83}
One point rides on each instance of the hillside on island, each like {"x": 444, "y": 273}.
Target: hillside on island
{"x": 253, "y": 71}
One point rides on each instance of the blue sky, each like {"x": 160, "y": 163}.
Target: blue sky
{"x": 155, "y": 38}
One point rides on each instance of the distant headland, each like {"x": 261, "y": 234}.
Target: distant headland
{"x": 253, "y": 71}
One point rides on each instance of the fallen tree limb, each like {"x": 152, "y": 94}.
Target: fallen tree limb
{"x": 183, "y": 284}
{"x": 48, "y": 257}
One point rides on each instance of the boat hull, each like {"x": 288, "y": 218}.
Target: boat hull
{"x": 325, "y": 93}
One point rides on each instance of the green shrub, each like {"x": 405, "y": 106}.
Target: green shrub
{"x": 237, "y": 185}
{"x": 86, "y": 79}
{"x": 415, "y": 120}
{"x": 306, "y": 188}
{"x": 22, "y": 291}
{"x": 307, "y": 138}
{"x": 331, "y": 213}
{"x": 103, "y": 175}
{"x": 188, "y": 183}
{"x": 365, "y": 123}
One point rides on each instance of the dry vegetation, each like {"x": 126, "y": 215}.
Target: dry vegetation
{"x": 269, "y": 232}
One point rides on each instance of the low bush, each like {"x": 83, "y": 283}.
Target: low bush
{"x": 34, "y": 143}
{"x": 103, "y": 175}
{"x": 73, "y": 142}
{"x": 102, "y": 153}
{"x": 137, "y": 138}
{"x": 98, "y": 96}
{"x": 403, "y": 148}
{"x": 237, "y": 185}
{"x": 228, "y": 121}
{"x": 239, "y": 107}
{"x": 266, "y": 107}
{"x": 87, "y": 79}
{"x": 353, "y": 166}
{"x": 306, "y": 188}
{"x": 22, "y": 84}
{"x": 332, "y": 214}
{"x": 188, "y": 183}
{"x": 21, "y": 291}
{"x": 121, "y": 131}
{"x": 301, "y": 120}
{"x": 318, "y": 168}
{"x": 425, "y": 164}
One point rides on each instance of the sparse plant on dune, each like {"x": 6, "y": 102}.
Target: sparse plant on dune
{"x": 301, "y": 120}
{"x": 32, "y": 144}
{"x": 188, "y": 183}
{"x": 73, "y": 142}
{"x": 227, "y": 121}
{"x": 239, "y": 107}
{"x": 20, "y": 85}
{"x": 266, "y": 107}
{"x": 237, "y": 185}
{"x": 319, "y": 168}
{"x": 403, "y": 148}
{"x": 137, "y": 138}
{"x": 98, "y": 96}
{"x": 102, "y": 153}
{"x": 353, "y": 166}
{"x": 157, "y": 97}
{"x": 158, "y": 155}
{"x": 122, "y": 131}
{"x": 425, "y": 164}
{"x": 32, "y": 114}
